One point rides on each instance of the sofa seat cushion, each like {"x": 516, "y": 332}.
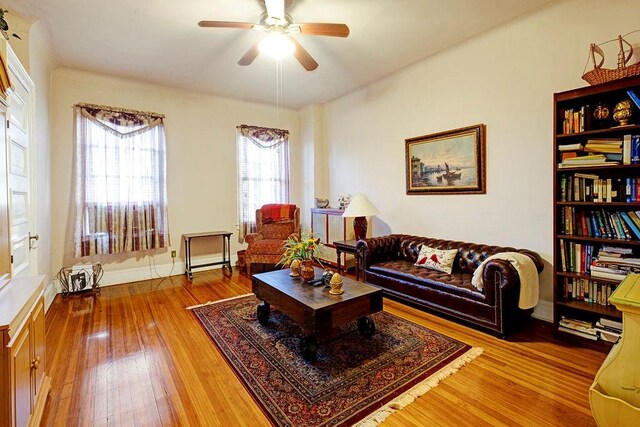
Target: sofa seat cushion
{"x": 455, "y": 283}
{"x": 267, "y": 247}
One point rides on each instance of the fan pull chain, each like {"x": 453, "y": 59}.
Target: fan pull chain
{"x": 278, "y": 88}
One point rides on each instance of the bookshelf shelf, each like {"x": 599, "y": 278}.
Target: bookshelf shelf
{"x": 578, "y": 219}
{"x": 614, "y": 131}
{"x": 603, "y": 310}
{"x": 589, "y": 169}
{"x": 602, "y": 346}
{"x": 601, "y": 204}
{"x": 587, "y": 277}
{"x": 614, "y": 242}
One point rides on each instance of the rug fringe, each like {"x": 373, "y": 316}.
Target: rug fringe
{"x": 217, "y": 301}
{"x": 419, "y": 389}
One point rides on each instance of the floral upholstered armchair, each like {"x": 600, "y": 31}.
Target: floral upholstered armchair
{"x": 275, "y": 223}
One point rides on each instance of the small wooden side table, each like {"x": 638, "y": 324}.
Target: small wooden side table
{"x": 226, "y": 250}
{"x": 348, "y": 247}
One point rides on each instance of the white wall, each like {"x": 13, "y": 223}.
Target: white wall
{"x": 201, "y": 164}
{"x": 505, "y": 79}
{"x": 313, "y": 161}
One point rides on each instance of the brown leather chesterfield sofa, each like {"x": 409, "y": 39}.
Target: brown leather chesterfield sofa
{"x": 388, "y": 262}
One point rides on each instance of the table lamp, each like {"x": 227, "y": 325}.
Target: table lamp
{"x": 360, "y": 208}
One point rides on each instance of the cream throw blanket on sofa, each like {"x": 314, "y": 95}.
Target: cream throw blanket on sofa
{"x": 529, "y": 284}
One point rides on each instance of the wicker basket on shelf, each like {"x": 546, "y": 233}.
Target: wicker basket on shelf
{"x": 601, "y": 75}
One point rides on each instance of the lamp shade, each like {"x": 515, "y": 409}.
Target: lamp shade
{"x": 360, "y": 206}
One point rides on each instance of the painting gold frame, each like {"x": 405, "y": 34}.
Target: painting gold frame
{"x": 450, "y": 162}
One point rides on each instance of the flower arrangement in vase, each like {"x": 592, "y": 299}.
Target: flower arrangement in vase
{"x": 305, "y": 249}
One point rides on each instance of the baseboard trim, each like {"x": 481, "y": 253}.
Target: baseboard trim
{"x": 543, "y": 311}
{"x": 50, "y": 292}
{"x": 126, "y": 275}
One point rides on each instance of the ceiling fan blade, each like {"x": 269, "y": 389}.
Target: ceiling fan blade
{"x": 225, "y": 24}
{"x": 275, "y": 9}
{"x": 317, "y": 29}
{"x": 303, "y": 56}
{"x": 250, "y": 55}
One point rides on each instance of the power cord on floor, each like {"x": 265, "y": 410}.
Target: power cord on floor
{"x": 152, "y": 265}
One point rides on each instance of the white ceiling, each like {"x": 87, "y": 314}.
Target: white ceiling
{"x": 159, "y": 41}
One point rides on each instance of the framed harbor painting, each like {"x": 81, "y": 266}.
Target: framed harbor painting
{"x": 451, "y": 162}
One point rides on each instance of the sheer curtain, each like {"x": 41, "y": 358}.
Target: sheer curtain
{"x": 263, "y": 172}
{"x": 120, "y": 181}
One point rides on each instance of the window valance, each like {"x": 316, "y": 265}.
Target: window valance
{"x": 120, "y": 122}
{"x": 264, "y": 137}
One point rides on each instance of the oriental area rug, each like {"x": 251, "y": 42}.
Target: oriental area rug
{"x": 354, "y": 381}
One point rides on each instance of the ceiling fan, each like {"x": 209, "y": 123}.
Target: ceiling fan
{"x": 280, "y": 26}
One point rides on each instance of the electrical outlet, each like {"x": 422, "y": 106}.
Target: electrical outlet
{"x": 173, "y": 254}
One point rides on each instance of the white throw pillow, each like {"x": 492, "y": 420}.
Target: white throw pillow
{"x": 436, "y": 259}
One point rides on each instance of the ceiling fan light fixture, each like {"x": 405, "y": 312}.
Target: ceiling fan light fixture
{"x": 277, "y": 45}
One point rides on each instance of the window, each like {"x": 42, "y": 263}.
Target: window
{"x": 263, "y": 172}
{"x": 120, "y": 181}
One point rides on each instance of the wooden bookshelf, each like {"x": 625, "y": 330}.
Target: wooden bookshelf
{"x": 583, "y": 224}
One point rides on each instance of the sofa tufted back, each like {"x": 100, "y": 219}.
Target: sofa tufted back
{"x": 469, "y": 257}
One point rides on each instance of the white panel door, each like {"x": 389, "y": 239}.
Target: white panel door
{"x": 19, "y": 170}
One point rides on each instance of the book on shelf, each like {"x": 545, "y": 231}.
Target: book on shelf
{"x": 626, "y": 150}
{"x": 603, "y": 257}
{"x": 608, "y": 336}
{"x": 597, "y": 273}
{"x": 578, "y": 333}
{"x": 602, "y": 149}
{"x": 588, "y": 159}
{"x": 635, "y": 218}
{"x": 590, "y": 291}
{"x": 598, "y": 223}
{"x": 563, "y": 259}
{"x": 623, "y": 264}
{"x": 617, "y": 142}
{"x": 589, "y": 165}
{"x": 605, "y": 321}
{"x": 635, "y": 149}
{"x": 585, "y": 187}
{"x": 580, "y": 325}
{"x": 634, "y": 97}
{"x": 632, "y": 225}
{"x": 608, "y": 333}
{"x": 613, "y": 146}
{"x": 576, "y": 120}
{"x": 571, "y": 147}
{"x": 616, "y": 250}
{"x": 569, "y": 154}
{"x": 600, "y": 327}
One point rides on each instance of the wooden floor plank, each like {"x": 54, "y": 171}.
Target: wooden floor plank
{"x": 135, "y": 356}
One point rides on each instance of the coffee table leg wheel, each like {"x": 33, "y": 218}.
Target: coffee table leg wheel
{"x": 309, "y": 348}
{"x": 366, "y": 327}
{"x": 263, "y": 312}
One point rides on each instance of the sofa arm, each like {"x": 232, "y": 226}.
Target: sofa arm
{"x": 377, "y": 249}
{"x": 537, "y": 259}
{"x": 250, "y": 238}
{"x": 499, "y": 277}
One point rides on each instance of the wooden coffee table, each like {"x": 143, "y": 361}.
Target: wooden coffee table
{"x": 314, "y": 308}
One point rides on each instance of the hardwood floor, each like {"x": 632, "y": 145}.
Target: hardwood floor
{"x": 135, "y": 357}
